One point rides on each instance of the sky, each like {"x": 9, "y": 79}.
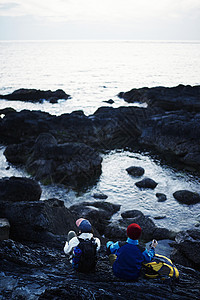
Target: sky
{"x": 100, "y": 19}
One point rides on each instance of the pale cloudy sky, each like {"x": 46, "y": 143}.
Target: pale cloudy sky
{"x": 100, "y": 19}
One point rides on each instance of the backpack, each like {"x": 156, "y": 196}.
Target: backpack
{"x": 161, "y": 267}
{"x": 84, "y": 258}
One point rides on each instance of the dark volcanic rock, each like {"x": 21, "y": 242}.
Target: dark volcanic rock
{"x": 186, "y": 248}
{"x": 97, "y": 212}
{"x": 34, "y": 95}
{"x": 99, "y": 196}
{"x": 117, "y": 229}
{"x": 72, "y": 164}
{"x": 175, "y": 98}
{"x": 19, "y": 189}
{"x": 146, "y": 183}
{"x": 38, "y": 221}
{"x": 161, "y": 197}
{"x": 173, "y": 134}
{"x": 4, "y": 229}
{"x": 38, "y": 272}
{"x": 110, "y": 101}
{"x": 135, "y": 171}
{"x": 187, "y": 197}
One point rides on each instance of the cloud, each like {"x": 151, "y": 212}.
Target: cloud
{"x": 104, "y": 18}
{"x": 91, "y": 10}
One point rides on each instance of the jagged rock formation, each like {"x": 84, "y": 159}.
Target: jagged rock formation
{"x": 33, "y": 95}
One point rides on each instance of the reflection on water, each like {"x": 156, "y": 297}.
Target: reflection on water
{"x": 120, "y": 188}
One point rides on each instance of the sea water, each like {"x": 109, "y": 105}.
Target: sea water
{"x": 93, "y": 72}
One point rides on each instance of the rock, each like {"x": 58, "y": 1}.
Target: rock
{"x": 71, "y": 164}
{"x": 175, "y": 98}
{"x": 186, "y": 248}
{"x": 40, "y": 272}
{"x": 98, "y": 213}
{"x": 132, "y": 214}
{"x": 7, "y": 110}
{"x": 117, "y": 229}
{"x": 187, "y": 197}
{"x": 161, "y": 197}
{"x": 171, "y": 133}
{"x": 159, "y": 217}
{"x": 135, "y": 171}
{"x": 110, "y": 101}
{"x": 34, "y": 95}
{"x": 38, "y": 221}
{"x": 99, "y": 196}
{"x": 19, "y": 189}
{"x": 4, "y": 229}
{"x": 146, "y": 183}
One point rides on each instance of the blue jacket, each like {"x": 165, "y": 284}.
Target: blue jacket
{"x": 130, "y": 257}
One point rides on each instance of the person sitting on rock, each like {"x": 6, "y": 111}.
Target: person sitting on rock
{"x": 82, "y": 248}
{"x": 127, "y": 257}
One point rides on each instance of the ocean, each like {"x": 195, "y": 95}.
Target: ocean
{"x": 93, "y": 72}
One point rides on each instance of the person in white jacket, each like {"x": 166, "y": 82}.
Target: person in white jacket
{"x": 73, "y": 241}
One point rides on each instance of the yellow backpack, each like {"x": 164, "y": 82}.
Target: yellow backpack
{"x": 161, "y": 267}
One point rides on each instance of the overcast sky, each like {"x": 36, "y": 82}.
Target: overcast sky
{"x": 100, "y": 19}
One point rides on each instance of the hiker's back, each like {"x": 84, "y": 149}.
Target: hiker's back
{"x": 128, "y": 262}
{"x": 85, "y": 255}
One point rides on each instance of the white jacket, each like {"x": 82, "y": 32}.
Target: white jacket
{"x": 74, "y": 242}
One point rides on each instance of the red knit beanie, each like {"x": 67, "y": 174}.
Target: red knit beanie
{"x": 134, "y": 231}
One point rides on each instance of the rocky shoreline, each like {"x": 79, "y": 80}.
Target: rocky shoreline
{"x": 67, "y": 149}
{"x": 33, "y": 264}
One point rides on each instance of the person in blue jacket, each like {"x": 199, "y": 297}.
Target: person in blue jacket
{"x": 127, "y": 257}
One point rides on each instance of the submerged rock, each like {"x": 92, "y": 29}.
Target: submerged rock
{"x": 99, "y": 196}
{"x": 34, "y": 95}
{"x": 187, "y": 197}
{"x": 146, "y": 183}
{"x": 161, "y": 197}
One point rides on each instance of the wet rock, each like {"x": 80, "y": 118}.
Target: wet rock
{"x": 172, "y": 134}
{"x": 159, "y": 217}
{"x": 39, "y": 272}
{"x": 186, "y": 248}
{"x": 4, "y": 229}
{"x": 72, "y": 164}
{"x": 161, "y": 197}
{"x": 146, "y": 183}
{"x": 38, "y": 221}
{"x": 117, "y": 229}
{"x": 7, "y": 110}
{"x": 19, "y": 189}
{"x": 99, "y": 196}
{"x": 187, "y": 197}
{"x": 110, "y": 101}
{"x": 135, "y": 171}
{"x": 97, "y": 212}
{"x": 174, "y": 98}
{"x": 33, "y": 95}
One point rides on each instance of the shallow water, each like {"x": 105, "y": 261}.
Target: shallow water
{"x": 92, "y": 72}
{"x": 120, "y": 188}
